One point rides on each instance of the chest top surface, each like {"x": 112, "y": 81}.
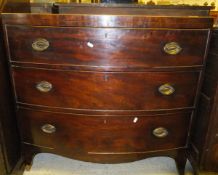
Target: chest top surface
{"x": 105, "y": 15}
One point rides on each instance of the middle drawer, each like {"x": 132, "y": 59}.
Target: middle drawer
{"x": 105, "y": 90}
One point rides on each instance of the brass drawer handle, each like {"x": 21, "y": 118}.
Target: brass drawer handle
{"x": 172, "y": 48}
{"x": 160, "y": 132}
{"x": 40, "y": 44}
{"x": 48, "y": 128}
{"x": 166, "y": 89}
{"x": 44, "y": 86}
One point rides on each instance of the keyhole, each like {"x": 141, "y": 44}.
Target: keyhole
{"x": 106, "y": 77}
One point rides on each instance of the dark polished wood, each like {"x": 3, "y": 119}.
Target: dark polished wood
{"x": 105, "y": 90}
{"x": 127, "y": 9}
{"x": 108, "y": 158}
{"x": 111, "y": 21}
{"x": 87, "y": 81}
{"x": 108, "y": 47}
{"x": 84, "y": 134}
{"x": 204, "y": 143}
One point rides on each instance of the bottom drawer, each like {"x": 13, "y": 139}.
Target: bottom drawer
{"x": 103, "y": 134}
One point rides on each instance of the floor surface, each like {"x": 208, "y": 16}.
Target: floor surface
{"x": 49, "y": 164}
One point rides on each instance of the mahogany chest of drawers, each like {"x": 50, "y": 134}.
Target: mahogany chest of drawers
{"x": 106, "y": 83}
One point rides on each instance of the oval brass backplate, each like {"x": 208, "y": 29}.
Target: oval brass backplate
{"x": 40, "y": 44}
{"x": 48, "y": 128}
{"x": 166, "y": 89}
{"x": 172, "y": 48}
{"x": 44, "y": 86}
{"x": 160, "y": 132}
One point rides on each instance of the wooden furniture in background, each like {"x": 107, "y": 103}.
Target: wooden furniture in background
{"x": 204, "y": 143}
{"x": 9, "y": 137}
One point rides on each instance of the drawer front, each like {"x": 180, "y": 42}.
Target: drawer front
{"x": 105, "y": 90}
{"x": 107, "y": 47}
{"x": 103, "y": 134}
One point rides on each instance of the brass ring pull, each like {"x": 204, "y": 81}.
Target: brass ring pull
{"x": 160, "y": 132}
{"x": 172, "y": 48}
{"x": 166, "y": 89}
{"x": 48, "y": 128}
{"x": 40, "y": 44}
{"x": 44, "y": 86}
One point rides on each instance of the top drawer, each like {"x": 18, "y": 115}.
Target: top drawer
{"x": 107, "y": 47}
